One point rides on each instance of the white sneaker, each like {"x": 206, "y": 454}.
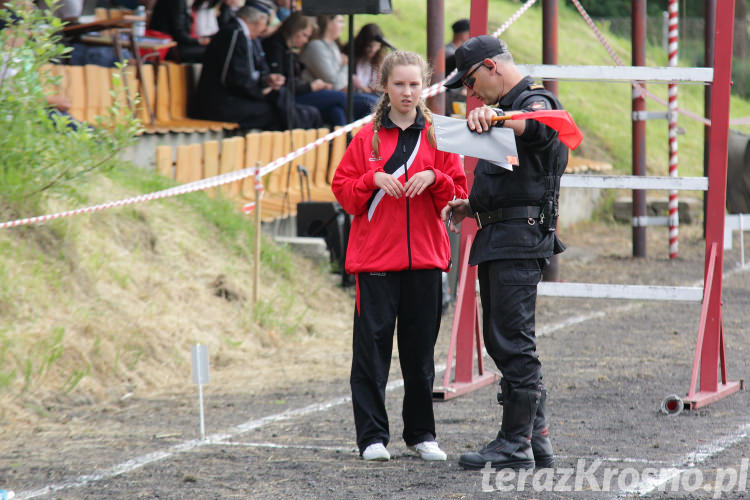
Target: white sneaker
{"x": 376, "y": 451}
{"x": 429, "y": 450}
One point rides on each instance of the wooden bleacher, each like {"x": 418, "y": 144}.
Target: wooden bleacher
{"x": 88, "y": 88}
{"x": 282, "y": 186}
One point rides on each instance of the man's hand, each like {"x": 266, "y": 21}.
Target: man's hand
{"x": 455, "y": 211}
{"x": 480, "y": 119}
{"x": 419, "y": 182}
{"x": 276, "y": 80}
{"x": 389, "y": 184}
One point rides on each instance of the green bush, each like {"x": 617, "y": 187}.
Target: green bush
{"x": 40, "y": 153}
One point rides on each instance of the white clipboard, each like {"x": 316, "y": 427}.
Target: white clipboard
{"x": 497, "y": 145}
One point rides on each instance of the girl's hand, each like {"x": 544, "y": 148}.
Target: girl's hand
{"x": 419, "y": 182}
{"x": 389, "y": 184}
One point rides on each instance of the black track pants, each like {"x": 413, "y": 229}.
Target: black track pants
{"x": 508, "y": 292}
{"x": 414, "y": 297}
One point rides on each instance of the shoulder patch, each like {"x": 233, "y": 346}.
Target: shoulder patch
{"x": 536, "y": 86}
{"x": 537, "y": 105}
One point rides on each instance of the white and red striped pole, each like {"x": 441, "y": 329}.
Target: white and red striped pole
{"x": 674, "y": 220}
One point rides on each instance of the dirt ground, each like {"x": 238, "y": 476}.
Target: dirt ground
{"x": 607, "y": 365}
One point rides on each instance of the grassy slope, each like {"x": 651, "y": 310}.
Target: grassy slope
{"x": 602, "y": 110}
{"x": 100, "y": 305}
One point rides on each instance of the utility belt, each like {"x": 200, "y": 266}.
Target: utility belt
{"x": 530, "y": 213}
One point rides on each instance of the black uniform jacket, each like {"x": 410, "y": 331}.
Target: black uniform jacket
{"x": 540, "y": 154}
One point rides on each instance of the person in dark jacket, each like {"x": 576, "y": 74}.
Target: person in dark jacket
{"x": 174, "y": 18}
{"x": 236, "y": 84}
{"x": 394, "y": 181}
{"x": 516, "y": 213}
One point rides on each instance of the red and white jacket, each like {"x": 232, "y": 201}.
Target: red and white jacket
{"x": 389, "y": 234}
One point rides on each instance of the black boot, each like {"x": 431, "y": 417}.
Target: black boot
{"x": 540, "y": 443}
{"x": 512, "y": 447}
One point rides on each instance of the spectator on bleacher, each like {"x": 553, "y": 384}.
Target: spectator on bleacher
{"x": 323, "y": 59}
{"x": 173, "y": 17}
{"x": 369, "y": 52}
{"x": 460, "y": 35}
{"x": 236, "y": 84}
{"x": 281, "y": 51}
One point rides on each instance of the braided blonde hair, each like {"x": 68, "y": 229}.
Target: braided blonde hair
{"x": 400, "y": 58}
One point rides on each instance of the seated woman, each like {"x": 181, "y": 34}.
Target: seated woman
{"x": 173, "y": 17}
{"x": 281, "y": 48}
{"x": 369, "y": 52}
{"x": 323, "y": 59}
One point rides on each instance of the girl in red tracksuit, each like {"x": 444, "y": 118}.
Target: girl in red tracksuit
{"x": 394, "y": 182}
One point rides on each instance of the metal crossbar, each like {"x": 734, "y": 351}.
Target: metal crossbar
{"x": 654, "y": 74}
{"x": 635, "y": 182}
{"x": 633, "y": 292}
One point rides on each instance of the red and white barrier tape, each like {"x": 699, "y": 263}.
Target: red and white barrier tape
{"x": 238, "y": 175}
{"x": 258, "y": 186}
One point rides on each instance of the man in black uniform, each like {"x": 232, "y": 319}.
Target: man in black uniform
{"x": 516, "y": 213}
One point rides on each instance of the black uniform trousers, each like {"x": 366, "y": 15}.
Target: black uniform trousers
{"x": 508, "y": 293}
{"x": 414, "y": 297}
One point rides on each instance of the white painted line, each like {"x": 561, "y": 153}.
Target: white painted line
{"x": 287, "y": 446}
{"x": 689, "y": 461}
{"x": 193, "y": 444}
{"x": 613, "y": 459}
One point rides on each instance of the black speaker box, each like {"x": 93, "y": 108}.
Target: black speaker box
{"x": 325, "y": 220}
{"x": 333, "y": 7}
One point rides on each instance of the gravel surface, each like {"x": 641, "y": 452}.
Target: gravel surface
{"x": 607, "y": 365}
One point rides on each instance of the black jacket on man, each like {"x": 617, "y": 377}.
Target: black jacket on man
{"x": 232, "y": 82}
{"x": 542, "y": 159}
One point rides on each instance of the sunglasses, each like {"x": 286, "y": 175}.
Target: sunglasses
{"x": 468, "y": 80}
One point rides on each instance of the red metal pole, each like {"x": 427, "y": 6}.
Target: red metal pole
{"x": 710, "y": 343}
{"x": 436, "y": 50}
{"x": 549, "y": 39}
{"x": 464, "y": 321}
{"x": 549, "y": 56}
{"x": 710, "y": 28}
{"x": 466, "y": 332}
{"x": 639, "y": 128}
{"x": 716, "y": 196}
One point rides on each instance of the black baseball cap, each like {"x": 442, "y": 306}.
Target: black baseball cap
{"x": 472, "y": 51}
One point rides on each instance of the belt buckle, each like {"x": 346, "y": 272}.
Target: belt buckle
{"x": 476, "y": 218}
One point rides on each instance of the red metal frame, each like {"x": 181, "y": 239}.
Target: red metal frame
{"x": 709, "y": 358}
{"x": 466, "y": 334}
{"x": 709, "y": 350}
